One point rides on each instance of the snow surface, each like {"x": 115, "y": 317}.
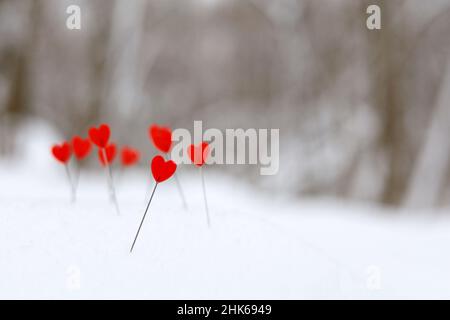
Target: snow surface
{"x": 260, "y": 245}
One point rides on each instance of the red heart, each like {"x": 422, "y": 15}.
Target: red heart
{"x": 100, "y": 135}
{"x": 161, "y": 169}
{"x": 129, "y": 156}
{"x": 81, "y": 147}
{"x": 110, "y": 151}
{"x": 62, "y": 152}
{"x": 198, "y": 154}
{"x": 161, "y": 137}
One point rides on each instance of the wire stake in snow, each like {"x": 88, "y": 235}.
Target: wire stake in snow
{"x": 161, "y": 171}
{"x": 107, "y": 152}
{"x": 73, "y": 193}
{"x": 106, "y": 156}
{"x": 198, "y": 155}
{"x": 204, "y": 197}
{"x": 81, "y": 149}
{"x": 180, "y": 191}
{"x": 62, "y": 153}
{"x": 143, "y": 217}
{"x": 162, "y": 140}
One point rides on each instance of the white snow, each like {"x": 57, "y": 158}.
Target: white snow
{"x": 260, "y": 245}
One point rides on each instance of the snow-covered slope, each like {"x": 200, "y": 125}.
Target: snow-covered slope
{"x": 259, "y": 246}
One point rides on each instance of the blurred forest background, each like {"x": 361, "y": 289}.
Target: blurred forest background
{"x": 363, "y": 114}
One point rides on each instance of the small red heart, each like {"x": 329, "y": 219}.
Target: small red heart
{"x": 100, "y": 135}
{"x": 110, "y": 151}
{"x": 162, "y": 169}
{"x": 198, "y": 154}
{"x": 81, "y": 147}
{"x": 129, "y": 156}
{"x": 161, "y": 137}
{"x": 62, "y": 152}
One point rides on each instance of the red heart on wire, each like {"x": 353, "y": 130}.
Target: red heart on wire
{"x": 81, "y": 147}
{"x": 100, "y": 136}
{"x": 129, "y": 156}
{"x": 161, "y": 137}
{"x": 199, "y": 154}
{"x": 110, "y": 151}
{"x": 162, "y": 169}
{"x": 62, "y": 152}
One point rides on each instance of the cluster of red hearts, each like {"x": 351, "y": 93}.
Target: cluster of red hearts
{"x": 129, "y": 156}
{"x": 161, "y": 168}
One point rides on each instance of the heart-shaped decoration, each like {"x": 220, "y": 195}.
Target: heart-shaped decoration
{"x": 199, "y": 154}
{"x": 161, "y": 137}
{"x": 62, "y": 152}
{"x": 100, "y": 136}
{"x": 110, "y": 151}
{"x": 162, "y": 169}
{"x": 81, "y": 147}
{"x": 129, "y": 156}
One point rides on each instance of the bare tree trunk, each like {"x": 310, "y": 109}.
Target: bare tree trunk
{"x": 124, "y": 74}
{"x": 387, "y": 74}
{"x": 17, "y": 61}
{"x": 431, "y": 167}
